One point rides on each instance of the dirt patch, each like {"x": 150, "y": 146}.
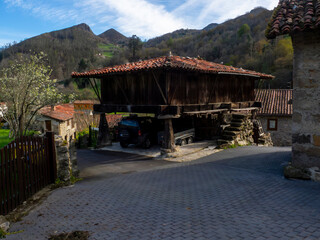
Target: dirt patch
{"x": 76, "y": 235}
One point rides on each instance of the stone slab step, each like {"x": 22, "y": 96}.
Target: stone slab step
{"x": 239, "y": 116}
{"x": 222, "y": 141}
{"x": 233, "y": 129}
{"x": 237, "y": 120}
{"x": 235, "y": 124}
{"x": 230, "y": 133}
{"x": 227, "y": 137}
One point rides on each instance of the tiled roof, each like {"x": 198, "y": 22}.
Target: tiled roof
{"x": 171, "y": 62}
{"x": 274, "y": 101}
{"x": 294, "y": 16}
{"x": 86, "y": 102}
{"x": 61, "y": 112}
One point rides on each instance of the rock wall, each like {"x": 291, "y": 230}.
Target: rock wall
{"x": 283, "y": 135}
{"x": 67, "y": 165}
{"x": 238, "y": 132}
{"x": 306, "y": 100}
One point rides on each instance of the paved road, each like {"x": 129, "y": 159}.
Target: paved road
{"x": 105, "y": 164}
{"x": 234, "y": 194}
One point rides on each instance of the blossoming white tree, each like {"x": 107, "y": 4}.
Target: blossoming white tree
{"x": 26, "y": 87}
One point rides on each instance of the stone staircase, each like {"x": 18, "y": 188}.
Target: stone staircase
{"x": 239, "y": 132}
{"x": 259, "y": 136}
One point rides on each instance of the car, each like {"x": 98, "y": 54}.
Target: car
{"x": 141, "y": 131}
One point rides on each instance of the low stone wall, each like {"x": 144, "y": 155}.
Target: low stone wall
{"x": 67, "y": 165}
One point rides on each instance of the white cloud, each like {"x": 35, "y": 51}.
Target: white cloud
{"x": 145, "y": 18}
{"x": 135, "y": 16}
{"x": 217, "y": 11}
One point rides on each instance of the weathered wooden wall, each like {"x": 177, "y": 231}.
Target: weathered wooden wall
{"x": 178, "y": 88}
{"x": 199, "y": 88}
{"x": 133, "y": 89}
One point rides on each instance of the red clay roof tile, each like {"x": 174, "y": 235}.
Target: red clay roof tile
{"x": 274, "y": 101}
{"x": 294, "y": 16}
{"x": 172, "y": 62}
{"x": 61, "y": 112}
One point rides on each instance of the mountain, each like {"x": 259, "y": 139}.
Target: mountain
{"x": 170, "y": 36}
{"x": 211, "y": 26}
{"x": 239, "y": 42}
{"x": 114, "y": 37}
{"x": 65, "y": 48}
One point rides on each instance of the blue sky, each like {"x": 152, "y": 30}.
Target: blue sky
{"x": 21, "y": 19}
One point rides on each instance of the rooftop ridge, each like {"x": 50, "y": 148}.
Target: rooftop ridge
{"x": 173, "y": 62}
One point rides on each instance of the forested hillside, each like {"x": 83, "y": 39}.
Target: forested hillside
{"x": 239, "y": 42}
{"x": 64, "y": 48}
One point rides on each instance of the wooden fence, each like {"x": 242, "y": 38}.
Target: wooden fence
{"x": 26, "y": 166}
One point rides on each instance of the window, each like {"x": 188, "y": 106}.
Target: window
{"x": 273, "y": 124}
{"x": 68, "y": 123}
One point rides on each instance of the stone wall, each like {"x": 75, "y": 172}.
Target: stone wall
{"x": 306, "y": 100}
{"x": 66, "y": 130}
{"x": 238, "y": 132}
{"x": 283, "y": 135}
{"x": 66, "y": 159}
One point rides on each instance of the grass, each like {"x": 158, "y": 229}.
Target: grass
{"x": 4, "y": 137}
{"x": 107, "y": 49}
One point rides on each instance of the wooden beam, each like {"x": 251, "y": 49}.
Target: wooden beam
{"x": 207, "y": 111}
{"x": 159, "y": 87}
{"x": 155, "y": 109}
{"x": 244, "y": 109}
{"x": 168, "y": 116}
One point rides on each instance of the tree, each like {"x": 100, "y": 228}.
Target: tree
{"x": 26, "y": 87}
{"x": 134, "y": 45}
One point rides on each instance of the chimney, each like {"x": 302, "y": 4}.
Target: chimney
{"x": 53, "y": 108}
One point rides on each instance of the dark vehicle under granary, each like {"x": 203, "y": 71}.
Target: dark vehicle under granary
{"x": 179, "y": 88}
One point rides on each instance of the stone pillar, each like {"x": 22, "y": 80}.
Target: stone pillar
{"x": 306, "y": 100}
{"x": 169, "y": 144}
{"x": 104, "y": 137}
{"x": 66, "y": 159}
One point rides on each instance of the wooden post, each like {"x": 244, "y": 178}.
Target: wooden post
{"x": 169, "y": 144}
{"x": 52, "y": 156}
{"x": 90, "y": 137}
{"x": 104, "y": 138}
{"x": 21, "y": 176}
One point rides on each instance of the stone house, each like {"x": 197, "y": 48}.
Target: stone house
{"x": 84, "y": 115}
{"x": 301, "y": 19}
{"x": 275, "y": 114}
{"x": 60, "y": 120}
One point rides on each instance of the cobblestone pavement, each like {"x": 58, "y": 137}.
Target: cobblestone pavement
{"x": 234, "y": 194}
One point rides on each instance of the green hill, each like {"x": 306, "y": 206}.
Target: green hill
{"x": 65, "y": 48}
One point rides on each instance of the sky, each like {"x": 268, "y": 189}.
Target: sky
{"x": 22, "y": 19}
